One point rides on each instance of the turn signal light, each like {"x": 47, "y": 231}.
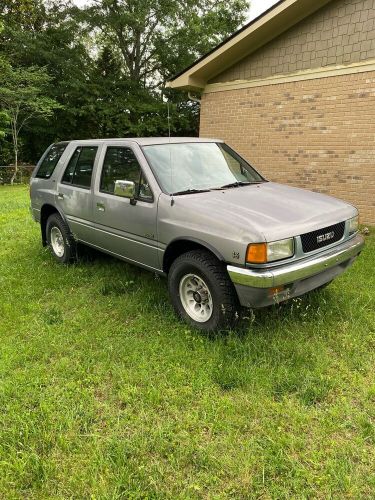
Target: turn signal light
{"x": 257, "y": 253}
{"x": 276, "y": 290}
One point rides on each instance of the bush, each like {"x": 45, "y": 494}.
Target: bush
{"x": 23, "y": 174}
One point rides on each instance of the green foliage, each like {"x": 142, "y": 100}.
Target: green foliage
{"x": 22, "y": 98}
{"x": 157, "y": 38}
{"x": 22, "y": 94}
{"x": 4, "y": 121}
{"x": 23, "y": 13}
{"x": 54, "y": 41}
{"x": 108, "y": 63}
{"x": 4, "y": 117}
{"x": 104, "y": 394}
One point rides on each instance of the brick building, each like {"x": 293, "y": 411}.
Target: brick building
{"x": 294, "y": 92}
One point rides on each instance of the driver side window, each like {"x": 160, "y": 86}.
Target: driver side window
{"x": 120, "y": 164}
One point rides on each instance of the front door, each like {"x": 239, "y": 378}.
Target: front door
{"x": 124, "y": 227}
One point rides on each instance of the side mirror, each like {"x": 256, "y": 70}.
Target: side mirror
{"x": 125, "y": 189}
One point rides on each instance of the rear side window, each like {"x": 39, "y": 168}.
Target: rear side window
{"x": 79, "y": 170}
{"x": 50, "y": 161}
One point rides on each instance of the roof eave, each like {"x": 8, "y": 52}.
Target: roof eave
{"x": 186, "y": 82}
{"x": 271, "y": 24}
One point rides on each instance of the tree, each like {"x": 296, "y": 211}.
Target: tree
{"x": 158, "y": 37}
{"x": 4, "y": 121}
{"x": 4, "y": 118}
{"x": 53, "y": 38}
{"x": 108, "y": 63}
{"x": 152, "y": 40}
{"x": 22, "y": 98}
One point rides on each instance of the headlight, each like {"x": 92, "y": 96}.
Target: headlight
{"x": 353, "y": 225}
{"x": 278, "y": 250}
{"x": 260, "y": 253}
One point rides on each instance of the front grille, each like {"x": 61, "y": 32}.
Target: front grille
{"x": 323, "y": 237}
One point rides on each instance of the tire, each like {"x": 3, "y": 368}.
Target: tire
{"x": 60, "y": 240}
{"x": 198, "y": 281}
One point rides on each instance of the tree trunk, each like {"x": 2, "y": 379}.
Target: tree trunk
{"x": 15, "y": 165}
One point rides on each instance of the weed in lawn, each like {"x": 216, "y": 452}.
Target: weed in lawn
{"x": 53, "y": 316}
{"x": 117, "y": 288}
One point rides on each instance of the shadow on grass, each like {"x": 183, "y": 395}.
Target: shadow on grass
{"x": 278, "y": 349}
{"x": 123, "y": 279}
{"x": 281, "y": 349}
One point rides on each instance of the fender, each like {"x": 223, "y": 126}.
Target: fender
{"x": 199, "y": 242}
{"x": 43, "y": 219}
{"x": 196, "y": 241}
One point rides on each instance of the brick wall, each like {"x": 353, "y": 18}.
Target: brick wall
{"x": 343, "y": 32}
{"x": 317, "y": 134}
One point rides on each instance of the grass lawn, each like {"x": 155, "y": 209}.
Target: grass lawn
{"x": 104, "y": 394}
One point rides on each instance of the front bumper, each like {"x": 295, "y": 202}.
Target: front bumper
{"x": 253, "y": 285}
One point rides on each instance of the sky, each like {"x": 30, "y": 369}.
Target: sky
{"x": 256, "y": 8}
{"x": 259, "y": 6}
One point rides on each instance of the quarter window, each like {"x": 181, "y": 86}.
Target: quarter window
{"x": 50, "y": 161}
{"x": 80, "y": 166}
{"x": 120, "y": 164}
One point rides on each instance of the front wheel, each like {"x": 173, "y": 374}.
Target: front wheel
{"x": 201, "y": 291}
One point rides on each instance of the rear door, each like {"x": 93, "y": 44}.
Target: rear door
{"x": 125, "y": 227}
{"x": 74, "y": 190}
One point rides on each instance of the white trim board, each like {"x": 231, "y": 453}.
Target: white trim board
{"x": 310, "y": 74}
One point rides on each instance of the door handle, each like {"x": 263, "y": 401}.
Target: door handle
{"x": 60, "y": 196}
{"x": 100, "y": 207}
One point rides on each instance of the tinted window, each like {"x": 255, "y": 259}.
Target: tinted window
{"x": 80, "y": 166}
{"x": 120, "y": 164}
{"x": 69, "y": 171}
{"x": 50, "y": 161}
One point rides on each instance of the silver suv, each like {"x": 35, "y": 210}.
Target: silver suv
{"x": 194, "y": 211}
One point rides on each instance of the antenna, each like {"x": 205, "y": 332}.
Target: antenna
{"x": 170, "y": 152}
{"x": 169, "y": 122}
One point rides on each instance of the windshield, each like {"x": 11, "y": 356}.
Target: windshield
{"x": 198, "y": 166}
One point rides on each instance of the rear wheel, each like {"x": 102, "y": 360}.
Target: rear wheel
{"x": 60, "y": 240}
{"x": 201, "y": 292}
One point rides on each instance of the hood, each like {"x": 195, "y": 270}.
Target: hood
{"x": 269, "y": 211}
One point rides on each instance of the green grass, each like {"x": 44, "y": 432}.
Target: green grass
{"x": 104, "y": 394}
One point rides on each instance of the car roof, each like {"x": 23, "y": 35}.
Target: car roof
{"x": 148, "y": 141}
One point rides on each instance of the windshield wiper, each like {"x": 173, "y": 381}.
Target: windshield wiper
{"x": 190, "y": 191}
{"x": 237, "y": 184}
